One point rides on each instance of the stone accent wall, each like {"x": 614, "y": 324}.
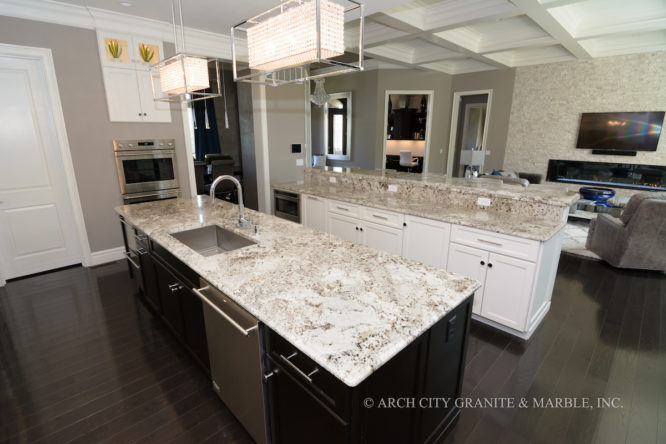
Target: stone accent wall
{"x": 549, "y": 99}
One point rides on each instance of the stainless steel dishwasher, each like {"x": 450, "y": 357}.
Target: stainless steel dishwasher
{"x": 235, "y": 358}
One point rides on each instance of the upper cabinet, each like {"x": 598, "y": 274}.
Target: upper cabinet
{"x": 126, "y": 60}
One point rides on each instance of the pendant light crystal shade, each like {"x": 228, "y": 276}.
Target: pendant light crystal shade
{"x": 319, "y": 97}
{"x": 184, "y": 77}
{"x": 290, "y": 38}
{"x": 184, "y": 74}
{"x": 298, "y": 40}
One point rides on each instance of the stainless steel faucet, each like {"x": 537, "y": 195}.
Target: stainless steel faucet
{"x": 241, "y": 208}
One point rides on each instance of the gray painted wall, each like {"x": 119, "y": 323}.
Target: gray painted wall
{"x": 285, "y": 109}
{"x": 363, "y": 86}
{"x": 501, "y": 82}
{"x": 89, "y": 131}
{"x": 549, "y": 99}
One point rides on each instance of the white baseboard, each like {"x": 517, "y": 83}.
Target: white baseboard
{"x": 106, "y": 256}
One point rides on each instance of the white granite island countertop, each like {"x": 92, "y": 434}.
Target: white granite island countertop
{"x": 514, "y": 225}
{"x": 348, "y": 307}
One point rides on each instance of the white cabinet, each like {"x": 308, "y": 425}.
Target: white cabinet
{"x": 470, "y": 262}
{"x": 127, "y": 80}
{"x": 348, "y": 222}
{"x": 313, "y": 212}
{"x": 344, "y": 227}
{"x": 506, "y": 289}
{"x": 425, "y": 240}
{"x": 381, "y": 237}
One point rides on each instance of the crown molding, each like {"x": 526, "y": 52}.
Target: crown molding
{"x": 197, "y": 42}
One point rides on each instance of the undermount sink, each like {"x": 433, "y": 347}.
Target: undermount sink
{"x": 211, "y": 240}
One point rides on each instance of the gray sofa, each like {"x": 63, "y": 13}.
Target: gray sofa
{"x": 637, "y": 239}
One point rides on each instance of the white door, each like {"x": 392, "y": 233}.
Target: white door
{"x": 472, "y": 263}
{"x": 344, "y": 227}
{"x": 122, "y": 95}
{"x": 508, "y": 290}
{"x": 37, "y": 227}
{"x": 314, "y": 212}
{"x": 426, "y": 241}
{"x": 382, "y": 238}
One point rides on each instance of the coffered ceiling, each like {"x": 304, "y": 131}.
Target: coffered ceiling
{"x": 451, "y": 36}
{"x": 459, "y": 36}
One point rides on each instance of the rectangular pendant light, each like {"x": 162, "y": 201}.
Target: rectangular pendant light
{"x": 290, "y": 38}
{"x": 184, "y": 74}
{"x": 298, "y": 40}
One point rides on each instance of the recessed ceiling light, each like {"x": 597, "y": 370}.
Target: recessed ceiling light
{"x": 128, "y": 4}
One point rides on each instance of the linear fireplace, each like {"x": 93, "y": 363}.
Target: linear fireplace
{"x": 619, "y": 175}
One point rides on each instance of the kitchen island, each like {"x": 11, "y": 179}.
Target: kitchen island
{"x": 505, "y": 236}
{"x": 363, "y": 323}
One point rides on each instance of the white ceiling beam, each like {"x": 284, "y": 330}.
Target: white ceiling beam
{"x": 429, "y": 37}
{"x": 539, "y": 14}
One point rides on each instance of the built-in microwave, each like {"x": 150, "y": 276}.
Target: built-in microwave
{"x": 287, "y": 206}
{"x": 147, "y": 169}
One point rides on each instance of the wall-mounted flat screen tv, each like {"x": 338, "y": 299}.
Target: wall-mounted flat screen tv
{"x": 638, "y": 131}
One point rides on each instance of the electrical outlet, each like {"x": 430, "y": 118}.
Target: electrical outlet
{"x": 299, "y": 162}
{"x": 332, "y": 179}
{"x": 483, "y": 201}
{"x": 393, "y": 188}
{"x": 487, "y": 152}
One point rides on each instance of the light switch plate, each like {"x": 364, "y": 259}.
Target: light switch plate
{"x": 299, "y": 162}
{"x": 393, "y": 188}
{"x": 483, "y": 201}
{"x": 333, "y": 179}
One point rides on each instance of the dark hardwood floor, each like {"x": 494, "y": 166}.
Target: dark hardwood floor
{"x": 83, "y": 361}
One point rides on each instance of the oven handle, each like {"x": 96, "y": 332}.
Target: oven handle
{"x": 129, "y": 258}
{"x": 164, "y": 153}
{"x": 288, "y": 198}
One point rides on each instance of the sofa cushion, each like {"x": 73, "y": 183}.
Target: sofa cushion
{"x": 636, "y": 200}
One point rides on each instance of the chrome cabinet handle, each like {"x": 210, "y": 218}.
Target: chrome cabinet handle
{"x": 380, "y": 217}
{"x": 271, "y": 374}
{"x": 237, "y": 326}
{"x": 342, "y": 208}
{"x": 489, "y": 242}
{"x": 306, "y": 376}
{"x": 129, "y": 258}
{"x": 141, "y": 251}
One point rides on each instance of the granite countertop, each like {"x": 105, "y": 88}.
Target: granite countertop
{"x": 519, "y": 226}
{"x": 547, "y": 193}
{"x": 348, "y": 307}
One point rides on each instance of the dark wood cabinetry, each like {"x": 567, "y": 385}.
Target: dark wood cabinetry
{"x": 308, "y": 404}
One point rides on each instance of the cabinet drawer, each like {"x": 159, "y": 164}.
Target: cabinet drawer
{"x": 335, "y": 206}
{"x": 383, "y": 217}
{"x": 326, "y": 387}
{"x": 494, "y": 242}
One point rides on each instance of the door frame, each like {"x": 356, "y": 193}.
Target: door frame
{"x": 453, "y": 134}
{"x": 45, "y": 57}
{"x": 431, "y": 98}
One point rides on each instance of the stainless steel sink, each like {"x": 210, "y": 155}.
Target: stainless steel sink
{"x": 211, "y": 240}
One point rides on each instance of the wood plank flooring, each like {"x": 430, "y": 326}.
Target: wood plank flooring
{"x": 83, "y": 361}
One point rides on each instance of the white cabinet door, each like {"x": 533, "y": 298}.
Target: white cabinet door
{"x": 152, "y": 111}
{"x": 472, "y": 263}
{"x": 313, "y": 213}
{"x": 508, "y": 288}
{"x": 382, "y": 237}
{"x": 426, "y": 241}
{"x": 122, "y": 95}
{"x": 344, "y": 227}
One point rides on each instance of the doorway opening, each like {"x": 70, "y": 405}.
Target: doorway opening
{"x": 469, "y": 129}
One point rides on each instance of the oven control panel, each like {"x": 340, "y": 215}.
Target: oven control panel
{"x": 145, "y": 144}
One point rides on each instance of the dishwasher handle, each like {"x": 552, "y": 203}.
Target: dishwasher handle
{"x": 237, "y": 326}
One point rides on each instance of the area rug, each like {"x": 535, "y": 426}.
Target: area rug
{"x": 575, "y": 235}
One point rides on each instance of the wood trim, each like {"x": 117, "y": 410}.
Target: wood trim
{"x": 106, "y": 256}
{"x": 45, "y": 57}
{"x": 453, "y": 130}
{"x": 431, "y": 98}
